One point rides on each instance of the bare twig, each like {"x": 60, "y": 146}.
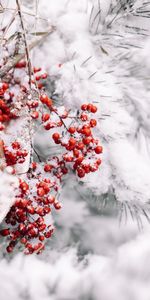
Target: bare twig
{"x": 13, "y": 61}
{"x": 25, "y": 41}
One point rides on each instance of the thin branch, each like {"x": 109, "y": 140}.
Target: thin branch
{"x": 25, "y": 41}
{"x": 13, "y": 61}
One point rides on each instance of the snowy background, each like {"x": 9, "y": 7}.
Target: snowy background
{"x": 99, "y": 52}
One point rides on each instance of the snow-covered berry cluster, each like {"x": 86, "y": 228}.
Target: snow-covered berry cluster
{"x": 28, "y": 222}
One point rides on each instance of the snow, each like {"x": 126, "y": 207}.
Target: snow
{"x": 90, "y": 256}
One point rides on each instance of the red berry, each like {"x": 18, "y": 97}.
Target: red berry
{"x": 80, "y": 146}
{"x": 72, "y": 142}
{"x": 38, "y": 77}
{"x": 84, "y": 106}
{"x": 35, "y": 114}
{"x": 44, "y": 98}
{"x": 49, "y": 102}
{"x": 98, "y": 149}
{"x": 36, "y": 70}
{"x": 24, "y": 186}
{"x": 34, "y": 165}
{"x": 93, "y": 109}
{"x": 57, "y": 205}
{"x": 51, "y": 199}
{"x": 5, "y": 232}
{"x": 5, "y": 86}
{"x": 87, "y": 131}
{"x": 89, "y": 107}
{"x": 84, "y": 117}
{"x": 9, "y": 249}
{"x": 15, "y": 145}
{"x": 93, "y": 122}
{"x": 56, "y": 136}
{"x": 41, "y": 192}
{"x": 81, "y": 172}
{"x": 44, "y": 76}
{"x": 87, "y": 140}
{"x": 45, "y": 117}
{"x": 47, "y": 168}
{"x": 72, "y": 130}
{"x": 79, "y": 159}
{"x": 76, "y": 153}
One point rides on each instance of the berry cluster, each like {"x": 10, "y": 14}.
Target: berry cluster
{"x": 14, "y": 154}
{"x": 28, "y": 221}
{"x": 5, "y": 112}
{"x": 27, "y": 217}
{"x": 82, "y": 148}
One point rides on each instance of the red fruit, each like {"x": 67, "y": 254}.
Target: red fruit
{"x": 72, "y": 142}
{"x": 39, "y": 211}
{"x": 47, "y": 168}
{"x": 84, "y": 106}
{"x": 24, "y": 186}
{"x": 29, "y": 246}
{"x": 64, "y": 170}
{"x": 35, "y": 114}
{"x": 93, "y": 109}
{"x": 47, "y": 209}
{"x": 22, "y": 227}
{"x": 5, "y": 232}
{"x": 56, "y": 136}
{"x": 76, "y": 153}
{"x": 48, "y": 234}
{"x": 80, "y": 146}
{"x": 45, "y": 117}
{"x": 41, "y": 238}
{"x": 89, "y": 107}
{"x": 21, "y": 64}
{"x": 44, "y": 98}
{"x": 15, "y": 145}
{"x": 42, "y": 227}
{"x": 23, "y": 241}
{"x": 40, "y": 221}
{"x": 79, "y": 159}
{"x": 72, "y": 130}
{"x": 87, "y": 140}
{"x": 48, "y": 126}
{"x": 40, "y": 86}
{"x": 57, "y": 205}
{"x": 5, "y": 86}
{"x": 44, "y": 76}
{"x": 98, "y": 149}
{"x": 40, "y": 192}
{"x": 49, "y": 102}
{"x": 34, "y": 165}
{"x": 30, "y": 209}
{"x": 86, "y": 168}
{"x": 93, "y": 122}
{"x": 34, "y": 104}
{"x": 36, "y": 70}
{"x": 84, "y": 117}
{"x": 94, "y": 168}
{"x": 38, "y": 77}
{"x": 5, "y": 118}
{"x": 81, "y": 173}
{"x": 98, "y": 162}
{"x": 9, "y": 249}
{"x": 86, "y": 131}
{"x": 68, "y": 158}
{"x": 2, "y": 127}
{"x": 51, "y": 199}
